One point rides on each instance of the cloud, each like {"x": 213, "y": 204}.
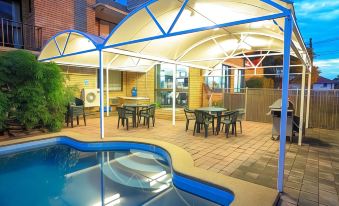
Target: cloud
{"x": 326, "y": 10}
{"x": 329, "y": 67}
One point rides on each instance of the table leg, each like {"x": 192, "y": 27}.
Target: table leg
{"x": 218, "y": 122}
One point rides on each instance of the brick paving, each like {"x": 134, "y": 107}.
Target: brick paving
{"x": 311, "y": 171}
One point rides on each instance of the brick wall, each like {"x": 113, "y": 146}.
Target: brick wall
{"x": 56, "y": 16}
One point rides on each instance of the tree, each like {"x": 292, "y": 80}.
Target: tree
{"x": 37, "y": 95}
{"x": 259, "y": 82}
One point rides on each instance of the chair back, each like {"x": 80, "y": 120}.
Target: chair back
{"x": 241, "y": 113}
{"x": 79, "y": 102}
{"x": 189, "y": 113}
{"x": 121, "y": 112}
{"x": 200, "y": 117}
{"x": 234, "y": 117}
{"x": 152, "y": 110}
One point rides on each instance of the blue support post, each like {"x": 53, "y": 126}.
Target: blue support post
{"x": 285, "y": 83}
{"x": 101, "y": 86}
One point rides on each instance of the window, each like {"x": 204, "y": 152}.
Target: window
{"x": 164, "y": 85}
{"x": 219, "y": 79}
{"x": 105, "y": 27}
{"x": 114, "y": 78}
{"x": 30, "y": 6}
{"x": 10, "y": 9}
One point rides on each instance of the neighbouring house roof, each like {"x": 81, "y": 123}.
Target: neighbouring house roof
{"x": 323, "y": 80}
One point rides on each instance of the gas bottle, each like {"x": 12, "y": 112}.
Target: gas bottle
{"x": 134, "y": 92}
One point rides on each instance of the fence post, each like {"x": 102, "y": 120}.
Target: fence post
{"x": 246, "y": 93}
{"x": 302, "y": 103}
{"x": 308, "y": 98}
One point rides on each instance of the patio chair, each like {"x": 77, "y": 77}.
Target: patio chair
{"x": 189, "y": 116}
{"x": 229, "y": 119}
{"x": 75, "y": 109}
{"x": 240, "y": 117}
{"x": 147, "y": 114}
{"x": 203, "y": 119}
{"x": 123, "y": 115}
{"x": 133, "y": 110}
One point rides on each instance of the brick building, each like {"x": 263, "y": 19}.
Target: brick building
{"x": 43, "y": 19}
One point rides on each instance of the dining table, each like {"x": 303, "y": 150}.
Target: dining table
{"x": 216, "y": 112}
{"x": 135, "y": 109}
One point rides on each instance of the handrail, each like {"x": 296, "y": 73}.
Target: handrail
{"x": 20, "y": 35}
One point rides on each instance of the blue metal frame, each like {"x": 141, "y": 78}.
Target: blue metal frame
{"x": 276, "y": 23}
{"x": 67, "y": 55}
{"x": 178, "y": 16}
{"x": 288, "y": 1}
{"x": 57, "y": 45}
{"x": 210, "y": 192}
{"x": 87, "y": 36}
{"x": 285, "y": 84}
{"x": 189, "y": 31}
{"x": 276, "y": 5}
{"x": 155, "y": 20}
{"x": 63, "y": 51}
{"x": 126, "y": 18}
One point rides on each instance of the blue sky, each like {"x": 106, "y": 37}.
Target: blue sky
{"x": 319, "y": 19}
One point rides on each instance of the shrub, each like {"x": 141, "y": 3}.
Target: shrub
{"x": 260, "y": 82}
{"x": 37, "y": 93}
{"x": 254, "y": 82}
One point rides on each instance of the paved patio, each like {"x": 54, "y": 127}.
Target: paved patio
{"x": 312, "y": 171}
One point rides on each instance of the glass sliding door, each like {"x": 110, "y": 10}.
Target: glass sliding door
{"x": 164, "y": 85}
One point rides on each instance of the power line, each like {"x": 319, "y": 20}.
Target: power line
{"x": 325, "y": 41}
{"x": 326, "y": 52}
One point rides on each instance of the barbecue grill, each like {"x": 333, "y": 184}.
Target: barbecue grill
{"x": 275, "y": 112}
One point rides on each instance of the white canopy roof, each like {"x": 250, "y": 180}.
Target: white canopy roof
{"x": 194, "y": 33}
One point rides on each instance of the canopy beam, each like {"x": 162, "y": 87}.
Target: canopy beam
{"x": 101, "y": 87}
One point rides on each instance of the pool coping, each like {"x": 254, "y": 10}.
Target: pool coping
{"x": 245, "y": 193}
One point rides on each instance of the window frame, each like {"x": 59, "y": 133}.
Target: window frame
{"x": 110, "y": 89}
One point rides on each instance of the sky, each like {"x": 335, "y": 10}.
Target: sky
{"x": 319, "y": 20}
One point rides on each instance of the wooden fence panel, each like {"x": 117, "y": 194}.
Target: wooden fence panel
{"x": 324, "y": 105}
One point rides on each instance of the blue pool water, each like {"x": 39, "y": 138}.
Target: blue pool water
{"x": 61, "y": 175}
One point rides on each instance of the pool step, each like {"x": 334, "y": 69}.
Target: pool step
{"x": 138, "y": 170}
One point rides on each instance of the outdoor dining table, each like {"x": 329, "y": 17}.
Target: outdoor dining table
{"x": 214, "y": 110}
{"x": 135, "y": 109}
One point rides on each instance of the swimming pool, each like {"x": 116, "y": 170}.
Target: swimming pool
{"x": 61, "y": 171}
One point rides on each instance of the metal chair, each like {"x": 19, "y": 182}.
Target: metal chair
{"x": 203, "y": 119}
{"x": 123, "y": 115}
{"x": 189, "y": 116}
